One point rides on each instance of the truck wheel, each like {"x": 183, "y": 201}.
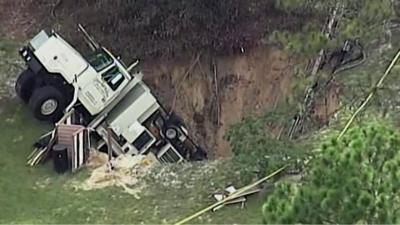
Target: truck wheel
{"x": 25, "y": 85}
{"x": 47, "y": 104}
{"x": 176, "y": 121}
{"x": 171, "y": 133}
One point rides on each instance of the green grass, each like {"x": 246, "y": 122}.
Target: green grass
{"x": 39, "y": 195}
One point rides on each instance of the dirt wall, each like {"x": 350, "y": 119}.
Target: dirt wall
{"x": 247, "y": 83}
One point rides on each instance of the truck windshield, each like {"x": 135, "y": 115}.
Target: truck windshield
{"x": 99, "y": 60}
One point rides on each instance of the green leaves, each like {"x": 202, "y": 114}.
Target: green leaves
{"x": 291, "y": 5}
{"x": 307, "y": 42}
{"x": 361, "y": 19}
{"x": 255, "y": 144}
{"x": 355, "y": 179}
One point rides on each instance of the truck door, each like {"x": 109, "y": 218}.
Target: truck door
{"x": 102, "y": 88}
{"x": 102, "y": 82}
{"x": 95, "y": 94}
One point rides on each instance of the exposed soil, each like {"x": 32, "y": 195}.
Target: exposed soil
{"x": 328, "y": 105}
{"x": 210, "y": 93}
{"x": 247, "y": 83}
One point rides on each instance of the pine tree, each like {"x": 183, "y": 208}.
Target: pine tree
{"x": 355, "y": 180}
{"x": 362, "y": 19}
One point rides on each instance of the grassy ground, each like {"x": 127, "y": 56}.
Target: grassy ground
{"x": 9, "y": 66}
{"x": 39, "y": 195}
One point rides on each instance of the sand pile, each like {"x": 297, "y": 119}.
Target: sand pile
{"x": 124, "y": 171}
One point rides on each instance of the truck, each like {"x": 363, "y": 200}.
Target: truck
{"x": 109, "y": 98}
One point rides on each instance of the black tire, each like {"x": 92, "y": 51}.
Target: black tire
{"x": 25, "y": 85}
{"x": 44, "y": 97}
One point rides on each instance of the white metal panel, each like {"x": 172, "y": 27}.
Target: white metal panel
{"x": 94, "y": 92}
{"x": 39, "y": 40}
{"x": 137, "y": 109}
{"x": 133, "y": 131}
{"x": 59, "y": 57}
{"x": 120, "y": 97}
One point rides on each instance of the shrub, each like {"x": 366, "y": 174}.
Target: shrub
{"x": 354, "y": 180}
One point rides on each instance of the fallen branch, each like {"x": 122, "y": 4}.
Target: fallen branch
{"x": 216, "y": 92}
{"x": 232, "y": 196}
{"x": 54, "y": 8}
{"x": 330, "y": 30}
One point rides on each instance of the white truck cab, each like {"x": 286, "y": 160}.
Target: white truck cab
{"x": 117, "y": 105}
{"x": 99, "y": 76}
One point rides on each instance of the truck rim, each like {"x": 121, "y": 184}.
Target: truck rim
{"x": 171, "y": 133}
{"x": 48, "y": 107}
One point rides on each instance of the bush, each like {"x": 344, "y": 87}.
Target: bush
{"x": 256, "y": 146}
{"x": 354, "y": 180}
{"x": 361, "y": 19}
